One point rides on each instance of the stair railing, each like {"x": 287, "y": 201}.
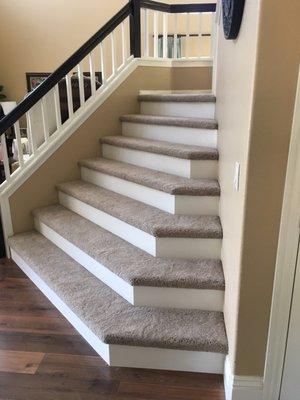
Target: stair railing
{"x": 142, "y": 29}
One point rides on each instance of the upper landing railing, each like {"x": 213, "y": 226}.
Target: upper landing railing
{"x": 142, "y": 29}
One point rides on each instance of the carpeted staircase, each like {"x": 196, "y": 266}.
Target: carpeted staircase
{"x": 131, "y": 255}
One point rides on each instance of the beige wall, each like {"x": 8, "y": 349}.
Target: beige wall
{"x": 37, "y": 36}
{"x": 255, "y": 128}
{"x": 39, "y": 190}
{"x": 236, "y": 68}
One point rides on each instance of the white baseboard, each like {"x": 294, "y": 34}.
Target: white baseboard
{"x": 241, "y": 387}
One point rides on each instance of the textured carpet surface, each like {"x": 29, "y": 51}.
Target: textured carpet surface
{"x": 128, "y": 262}
{"x": 179, "y": 97}
{"x": 159, "y": 147}
{"x": 167, "y": 183}
{"x": 109, "y": 316}
{"x": 199, "y": 123}
{"x": 147, "y": 218}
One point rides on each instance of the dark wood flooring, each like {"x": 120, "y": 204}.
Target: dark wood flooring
{"x": 42, "y": 357}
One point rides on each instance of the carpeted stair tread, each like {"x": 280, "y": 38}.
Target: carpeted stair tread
{"x": 142, "y": 216}
{"x": 198, "y": 123}
{"x": 172, "y": 184}
{"x": 177, "y": 150}
{"x": 110, "y": 317}
{"x": 178, "y": 97}
{"x": 133, "y": 265}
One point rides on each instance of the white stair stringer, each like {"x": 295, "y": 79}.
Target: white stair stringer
{"x": 173, "y": 247}
{"x": 125, "y": 355}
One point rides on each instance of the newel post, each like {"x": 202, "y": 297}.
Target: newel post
{"x": 135, "y": 28}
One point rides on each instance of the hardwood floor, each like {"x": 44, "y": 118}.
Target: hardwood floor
{"x": 42, "y": 357}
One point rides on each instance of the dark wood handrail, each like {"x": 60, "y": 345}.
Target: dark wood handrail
{"x": 132, "y": 9}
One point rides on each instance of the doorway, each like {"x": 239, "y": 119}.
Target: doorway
{"x": 281, "y": 380}
{"x": 290, "y": 385}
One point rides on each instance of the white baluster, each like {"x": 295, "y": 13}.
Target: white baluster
{"x": 146, "y": 38}
{"x": 19, "y": 143}
{"x": 187, "y": 41}
{"x": 175, "y": 35}
{"x": 30, "y": 133}
{"x": 200, "y": 33}
{"x": 57, "y": 106}
{"x": 124, "y": 47}
{"x": 155, "y": 36}
{"x": 113, "y": 53}
{"x": 80, "y": 83}
{"x": 92, "y": 74}
{"x": 165, "y": 35}
{"x": 45, "y": 119}
{"x": 69, "y": 96}
{"x": 5, "y": 157}
{"x": 103, "y": 72}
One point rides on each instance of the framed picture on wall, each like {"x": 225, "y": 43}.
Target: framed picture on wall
{"x": 34, "y": 79}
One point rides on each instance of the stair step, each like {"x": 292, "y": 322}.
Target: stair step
{"x": 192, "y": 162}
{"x": 177, "y": 150}
{"x": 195, "y": 339}
{"x": 189, "y": 131}
{"x": 170, "y": 193}
{"x": 197, "y": 123}
{"x": 135, "y": 275}
{"x": 155, "y": 231}
{"x": 178, "y": 97}
{"x": 156, "y": 180}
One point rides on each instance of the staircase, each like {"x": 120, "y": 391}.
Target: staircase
{"x": 131, "y": 254}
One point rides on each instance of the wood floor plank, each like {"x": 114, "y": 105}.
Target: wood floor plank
{"x": 154, "y": 392}
{"x": 20, "y": 361}
{"x": 28, "y": 308}
{"x": 56, "y": 325}
{"x": 68, "y": 344}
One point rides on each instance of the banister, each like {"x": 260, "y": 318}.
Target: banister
{"x": 132, "y": 9}
{"x": 60, "y": 72}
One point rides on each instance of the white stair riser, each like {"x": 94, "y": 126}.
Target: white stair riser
{"x": 174, "y": 134}
{"x": 178, "y": 109}
{"x": 129, "y": 356}
{"x": 189, "y": 248}
{"x": 174, "y": 204}
{"x": 206, "y": 169}
{"x": 203, "y": 299}
{"x": 166, "y": 359}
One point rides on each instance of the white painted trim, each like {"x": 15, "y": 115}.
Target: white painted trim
{"x": 241, "y": 387}
{"x": 203, "y": 299}
{"x": 174, "y": 204}
{"x": 285, "y": 265}
{"x": 181, "y": 63}
{"x": 129, "y": 356}
{"x": 205, "y": 169}
{"x": 158, "y": 247}
{"x": 6, "y": 221}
